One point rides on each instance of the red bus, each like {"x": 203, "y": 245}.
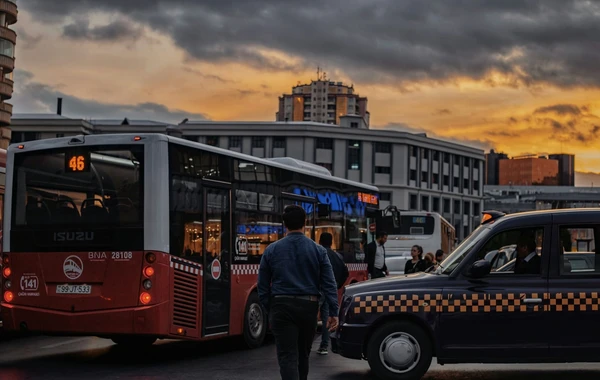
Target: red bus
{"x": 142, "y": 237}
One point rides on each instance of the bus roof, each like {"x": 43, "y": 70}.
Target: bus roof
{"x": 128, "y": 138}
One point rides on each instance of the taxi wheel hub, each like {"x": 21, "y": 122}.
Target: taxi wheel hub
{"x": 399, "y": 352}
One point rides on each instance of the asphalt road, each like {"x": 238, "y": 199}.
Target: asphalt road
{"x": 95, "y": 358}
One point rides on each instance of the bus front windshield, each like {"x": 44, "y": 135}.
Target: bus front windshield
{"x": 458, "y": 255}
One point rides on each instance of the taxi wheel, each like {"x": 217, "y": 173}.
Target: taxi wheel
{"x": 255, "y": 322}
{"x": 399, "y": 350}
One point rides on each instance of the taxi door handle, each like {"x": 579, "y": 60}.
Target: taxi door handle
{"x": 532, "y": 300}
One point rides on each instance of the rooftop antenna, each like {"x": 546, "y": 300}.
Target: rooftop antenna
{"x": 318, "y": 73}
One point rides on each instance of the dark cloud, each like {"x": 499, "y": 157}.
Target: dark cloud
{"x": 503, "y": 134}
{"x": 531, "y": 42}
{"x": 207, "y": 76}
{"x": 442, "y": 112}
{"x": 562, "y": 109}
{"x": 31, "y": 96}
{"x": 115, "y": 31}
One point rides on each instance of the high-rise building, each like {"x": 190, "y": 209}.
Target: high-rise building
{"x": 8, "y": 39}
{"x": 566, "y": 168}
{"x": 323, "y": 101}
{"x": 528, "y": 171}
{"x": 492, "y": 168}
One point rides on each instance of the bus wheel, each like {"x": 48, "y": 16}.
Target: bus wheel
{"x": 255, "y": 326}
{"x": 399, "y": 350}
{"x": 134, "y": 341}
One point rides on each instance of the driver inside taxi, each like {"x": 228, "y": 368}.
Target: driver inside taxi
{"x": 528, "y": 261}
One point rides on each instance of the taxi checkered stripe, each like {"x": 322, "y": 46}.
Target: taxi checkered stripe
{"x": 356, "y": 267}
{"x": 186, "y": 266}
{"x": 475, "y": 303}
{"x": 245, "y": 269}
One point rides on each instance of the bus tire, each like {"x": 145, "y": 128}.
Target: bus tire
{"x": 134, "y": 341}
{"x": 255, "y": 322}
{"x": 399, "y": 350}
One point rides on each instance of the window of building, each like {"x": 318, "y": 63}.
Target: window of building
{"x": 476, "y": 185}
{"x": 466, "y": 184}
{"x": 436, "y": 155}
{"x": 467, "y": 208}
{"x": 212, "y": 140}
{"x": 457, "y": 206}
{"x": 413, "y": 175}
{"x": 466, "y": 231}
{"x": 446, "y": 180}
{"x": 235, "y": 142}
{"x": 456, "y": 183}
{"x": 279, "y": 142}
{"x": 423, "y": 176}
{"x": 435, "y": 204}
{"x": 413, "y": 151}
{"x": 476, "y": 208}
{"x": 447, "y": 158}
{"x": 258, "y": 142}
{"x": 324, "y": 144}
{"x": 326, "y": 166}
{"x": 353, "y": 125}
{"x": 383, "y": 170}
{"x": 447, "y": 206}
{"x": 425, "y": 202}
{"x": 435, "y": 178}
{"x": 424, "y": 153}
{"x": 414, "y": 201}
{"x": 456, "y": 160}
{"x": 386, "y": 197}
{"x": 383, "y": 147}
{"x": 354, "y": 155}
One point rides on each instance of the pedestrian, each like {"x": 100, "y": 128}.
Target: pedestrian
{"x": 340, "y": 272}
{"x": 376, "y": 256}
{"x": 417, "y": 264}
{"x": 293, "y": 272}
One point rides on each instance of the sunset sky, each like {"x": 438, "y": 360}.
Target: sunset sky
{"x": 517, "y": 76}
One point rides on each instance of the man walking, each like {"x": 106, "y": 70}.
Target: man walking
{"x": 293, "y": 272}
{"x": 375, "y": 256}
{"x": 340, "y": 272}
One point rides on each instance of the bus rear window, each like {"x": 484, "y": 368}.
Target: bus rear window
{"x": 410, "y": 225}
{"x": 78, "y": 186}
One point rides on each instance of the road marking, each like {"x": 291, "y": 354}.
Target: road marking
{"x": 64, "y": 343}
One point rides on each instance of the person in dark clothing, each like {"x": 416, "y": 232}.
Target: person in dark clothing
{"x": 375, "y": 256}
{"x": 293, "y": 272}
{"x": 340, "y": 271}
{"x": 528, "y": 261}
{"x": 417, "y": 264}
{"x": 439, "y": 256}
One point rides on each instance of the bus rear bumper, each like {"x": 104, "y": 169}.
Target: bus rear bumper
{"x": 146, "y": 320}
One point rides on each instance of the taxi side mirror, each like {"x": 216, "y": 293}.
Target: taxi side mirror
{"x": 479, "y": 269}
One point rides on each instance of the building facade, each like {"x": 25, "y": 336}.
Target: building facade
{"x": 566, "y": 168}
{"x": 8, "y": 40}
{"x": 323, "y": 101}
{"x": 528, "y": 171}
{"x": 412, "y": 171}
{"x": 492, "y": 167}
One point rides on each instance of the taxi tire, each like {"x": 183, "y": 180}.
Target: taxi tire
{"x": 381, "y": 333}
{"x": 253, "y": 305}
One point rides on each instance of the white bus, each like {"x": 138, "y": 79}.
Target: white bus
{"x": 428, "y": 229}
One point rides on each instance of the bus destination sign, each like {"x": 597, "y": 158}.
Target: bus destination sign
{"x": 367, "y": 198}
{"x": 77, "y": 162}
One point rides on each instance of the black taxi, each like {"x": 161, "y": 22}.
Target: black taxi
{"x": 541, "y": 306}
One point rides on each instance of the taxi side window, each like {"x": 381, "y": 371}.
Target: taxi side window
{"x": 516, "y": 251}
{"x": 578, "y": 249}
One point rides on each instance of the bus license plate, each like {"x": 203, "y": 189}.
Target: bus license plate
{"x": 73, "y": 289}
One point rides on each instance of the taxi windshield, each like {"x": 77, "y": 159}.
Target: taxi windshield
{"x": 457, "y": 256}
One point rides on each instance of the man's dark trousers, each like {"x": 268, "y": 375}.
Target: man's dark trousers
{"x": 293, "y": 323}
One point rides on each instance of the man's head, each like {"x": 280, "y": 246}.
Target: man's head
{"x": 294, "y": 218}
{"x": 326, "y": 239}
{"x": 525, "y": 245}
{"x": 439, "y": 255}
{"x": 381, "y": 237}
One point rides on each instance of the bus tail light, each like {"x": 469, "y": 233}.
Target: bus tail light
{"x": 148, "y": 272}
{"x": 8, "y": 296}
{"x": 6, "y": 272}
{"x": 150, "y": 257}
{"x": 145, "y": 298}
{"x": 5, "y": 260}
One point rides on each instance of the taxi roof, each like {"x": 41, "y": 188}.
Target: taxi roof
{"x": 583, "y": 215}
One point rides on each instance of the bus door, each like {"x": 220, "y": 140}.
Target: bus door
{"x": 217, "y": 260}
{"x": 309, "y": 205}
